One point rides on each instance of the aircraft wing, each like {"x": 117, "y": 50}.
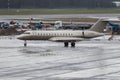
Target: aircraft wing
{"x": 65, "y": 39}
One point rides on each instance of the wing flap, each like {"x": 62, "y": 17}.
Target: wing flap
{"x": 65, "y": 39}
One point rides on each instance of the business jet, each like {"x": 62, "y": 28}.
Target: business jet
{"x": 66, "y": 36}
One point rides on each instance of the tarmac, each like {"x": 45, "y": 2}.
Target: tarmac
{"x": 44, "y": 60}
{"x": 59, "y": 16}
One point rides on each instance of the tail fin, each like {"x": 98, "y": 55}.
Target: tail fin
{"x": 99, "y": 26}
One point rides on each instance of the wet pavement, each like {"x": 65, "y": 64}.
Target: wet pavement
{"x": 58, "y": 16}
{"x": 44, "y": 60}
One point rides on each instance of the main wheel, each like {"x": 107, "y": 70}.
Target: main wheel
{"x": 66, "y": 44}
{"x": 72, "y": 44}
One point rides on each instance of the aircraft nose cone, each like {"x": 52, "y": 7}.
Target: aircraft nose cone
{"x": 19, "y": 37}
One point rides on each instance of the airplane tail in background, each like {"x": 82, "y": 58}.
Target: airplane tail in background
{"x": 113, "y": 24}
{"x": 99, "y": 26}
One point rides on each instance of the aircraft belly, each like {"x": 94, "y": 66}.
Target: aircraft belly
{"x": 36, "y": 37}
{"x": 40, "y": 37}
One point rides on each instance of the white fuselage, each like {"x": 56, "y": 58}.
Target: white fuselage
{"x": 46, "y": 35}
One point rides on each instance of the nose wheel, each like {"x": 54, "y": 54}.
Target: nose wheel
{"x": 25, "y": 43}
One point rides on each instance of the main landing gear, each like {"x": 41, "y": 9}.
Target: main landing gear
{"x": 25, "y": 43}
{"x": 66, "y": 44}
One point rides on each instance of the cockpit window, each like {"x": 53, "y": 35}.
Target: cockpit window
{"x": 26, "y": 32}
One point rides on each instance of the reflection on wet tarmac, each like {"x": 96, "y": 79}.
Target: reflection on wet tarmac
{"x": 36, "y": 51}
{"x": 44, "y": 60}
{"x": 58, "y": 16}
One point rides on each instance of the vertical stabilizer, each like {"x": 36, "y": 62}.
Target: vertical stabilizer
{"x": 99, "y": 26}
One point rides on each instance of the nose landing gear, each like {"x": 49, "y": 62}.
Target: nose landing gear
{"x": 25, "y": 43}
